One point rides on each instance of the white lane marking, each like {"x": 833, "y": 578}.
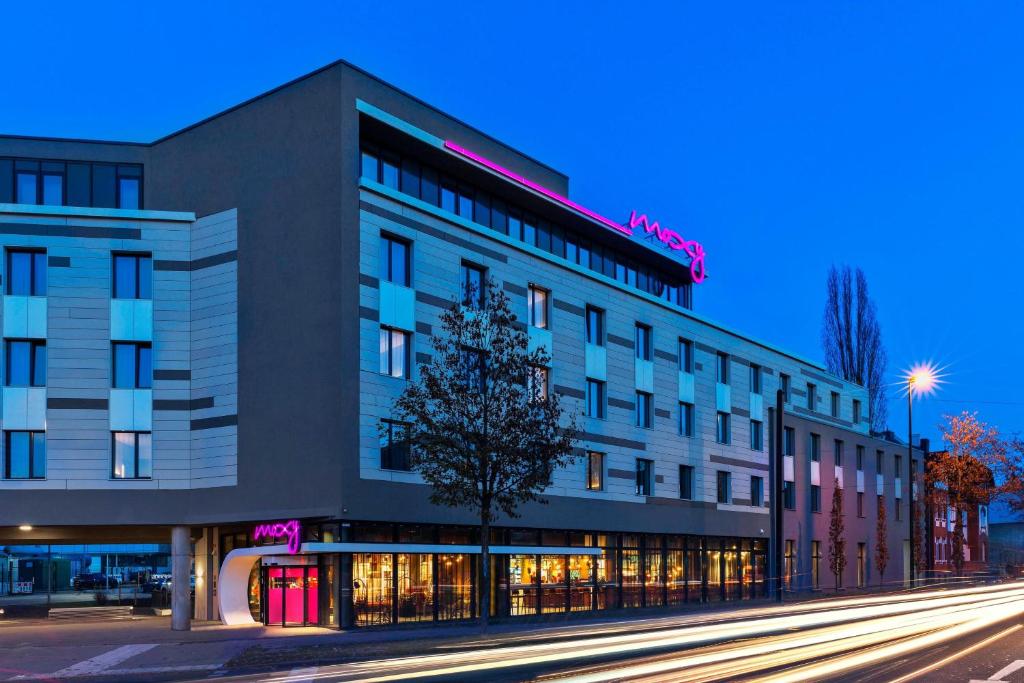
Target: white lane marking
{"x": 957, "y": 655}
{"x": 999, "y": 676}
{"x": 304, "y": 674}
{"x": 100, "y": 663}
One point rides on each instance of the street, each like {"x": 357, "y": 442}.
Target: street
{"x": 959, "y": 635}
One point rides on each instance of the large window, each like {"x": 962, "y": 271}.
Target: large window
{"x": 643, "y": 342}
{"x": 785, "y": 385}
{"x": 643, "y": 409}
{"x": 789, "y": 495}
{"x": 25, "y": 455}
{"x": 788, "y": 441}
{"x": 837, "y": 452}
{"x": 132, "y": 455}
{"x": 815, "y": 498}
{"x": 722, "y": 428}
{"x": 722, "y": 368}
{"x": 395, "y": 352}
{"x": 395, "y": 260}
{"x": 686, "y": 482}
{"x": 133, "y": 365}
{"x": 815, "y": 564}
{"x": 538, "y": 383}
{"x": 473, "y": 286}
{"x": 595, "y": 326}
{"x": 428, "y": 184}
{"x": 537, "y": 305}
{"x": 472, "y": 366}
{"x": 685, "y": 419}
{"x": 812, "y": 397}
{"x": 70, "y": 183}
{"x": 595, "y": 471}
{"x": 724, "y": 487}
{"x": 26, "y": 363}
{"x": 860, "y": 503}
{"x": 644, "y": 477}
{"x": 685, "y": 355}
{"x": 133, "y": 276}
{"x": 755, "y": 379}
{"x": 757, "y": 491}
{"x": 394, "y": 446}
{"x": 860, "y": 458}
{"x": 26, "y": 272}
{"x": 856, "y": 411}
{"x": 595, "y": 398}
{"x": 834, "y": 404}
{"x": 756, "y": 435}
{"x": 815, "y": 448}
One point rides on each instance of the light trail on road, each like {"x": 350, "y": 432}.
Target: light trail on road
{"x": 825, "y": 638}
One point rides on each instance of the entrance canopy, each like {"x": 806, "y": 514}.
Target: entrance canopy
{"x": 233, "y": 580}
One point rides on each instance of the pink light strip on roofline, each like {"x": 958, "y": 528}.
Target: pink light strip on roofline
{"x": 670, "y": 238}
{"x": 539, "y": 188}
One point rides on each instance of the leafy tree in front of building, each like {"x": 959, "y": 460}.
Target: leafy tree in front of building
{"x": 484, "y": 430}
{"x": 852, "y": 338}
{"x": 881, "y": 542}
{"x": 836, "y": 536}
{"x": 962, "y": 475}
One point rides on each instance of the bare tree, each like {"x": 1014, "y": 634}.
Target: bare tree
{"x": 881, "y": 541}
{"x": 852, "y": 338}
{"x": 485, "y": 432}
{"x": 836, "y": 537}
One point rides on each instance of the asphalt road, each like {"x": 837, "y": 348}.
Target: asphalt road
{"x": 952, "y": 635}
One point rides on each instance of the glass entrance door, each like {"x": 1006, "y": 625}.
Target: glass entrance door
{"x": 292, "y": 596}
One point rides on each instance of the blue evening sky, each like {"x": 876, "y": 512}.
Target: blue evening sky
{"x": 784, "y": 136}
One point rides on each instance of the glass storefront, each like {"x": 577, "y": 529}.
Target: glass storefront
{"x": 293, "y": 596}
{"x": 371, "y": 589}
{"x": 415, "y": 587}
{"x": 522, "y": 588}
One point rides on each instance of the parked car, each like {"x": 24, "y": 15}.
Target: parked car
{"x": 84, "y": 582}
{"x": 155, "y": 585}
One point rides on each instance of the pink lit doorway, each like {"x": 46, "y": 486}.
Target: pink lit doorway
{"x": 292, "y": 596}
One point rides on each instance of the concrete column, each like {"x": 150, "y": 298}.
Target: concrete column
{"x": 181, "y": 570}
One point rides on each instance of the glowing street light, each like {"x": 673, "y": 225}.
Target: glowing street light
{"x": 922, "y": 379}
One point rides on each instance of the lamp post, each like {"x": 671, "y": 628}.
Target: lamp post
{"x": 921, "y": 378}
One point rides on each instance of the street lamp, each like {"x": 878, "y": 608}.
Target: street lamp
{"x": 922, "y": 379}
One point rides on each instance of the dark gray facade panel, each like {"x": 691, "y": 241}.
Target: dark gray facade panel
{"x": 423, "y": 358}
{"x": 621, "y": 474}
{"x": 368, "y": 314}
{"x": 568, "y": 308}
{"x": 67, "y": 230}
{"x": 197, "y": 264}
{"x": 167, "y": 374}
{"x": 213, "y": 422}
{"x": 59, "y": 261}
{"x": 821, "y": 378}
{"x": 619, "y": 403}
{"x": 55, "y": 403}
{"x": 620, "y": 341}
{"x": 613, "y": 441}
{"x": 432, "y": 300}
{"x": 424, "y": 328}
{"x": 183, "y": 403}
{"x": 736, "y": 462}
{"x": 570, "y": 391}
{"x": 369, "y": 281}
{"x": 666, "y": 355}
{"x": 513, "y": 288}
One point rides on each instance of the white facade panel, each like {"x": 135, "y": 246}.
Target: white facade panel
{"x": 397, "y": 306}
{"x": 723, "y": 398}
{"x": 24, "y": 408}
{"x": 686, "y": 387}
{"x": 596, "y": 362}
{"x": 643, "y": 372}
{"x": 25, "y": 317}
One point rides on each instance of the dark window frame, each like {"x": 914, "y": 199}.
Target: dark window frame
{"x": 34, "y": 264}
{"x": 137, "y": 258}
{"x": 33, "y": 358}
{"x": 138, "y": 347}
{"x": 113, "y": 455}
{"x": 401, "y": 447}
{"x": 32, "y": 474}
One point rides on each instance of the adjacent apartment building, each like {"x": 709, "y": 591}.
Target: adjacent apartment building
{"x": 204, "y": 334}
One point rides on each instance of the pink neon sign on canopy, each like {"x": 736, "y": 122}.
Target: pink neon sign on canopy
{"x": 290, "y": 530}
{"x": 671, "y": 239}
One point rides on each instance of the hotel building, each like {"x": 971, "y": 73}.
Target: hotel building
{"x": 204, "y": 334}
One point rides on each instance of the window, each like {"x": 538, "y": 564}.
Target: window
{"x": 722, "y": 428}
{"x": 722, "y": 365}
{"x": 789, "y": 495}
{"x": 724, "y": 487}
{"x": 643, "y": 342}
{"x": 757, "y": 491}
{"x": 643, "y": 409}
{"x": 837, "y": 452}
{"x": 26, "y": 273}
{"x": 685, "y": 419}
{"x": 897, "y": 466}
{"x": 127, "y": 193}
{"x": 370, "y": 166}
{"x": 856, "y": 411}
{"x": 812, "y": 396}
{"x": 389, "y": 171}
{"x": 394, "y": 446}
{"x": 815, "y": 498}
{"x": 685, "y": 355}
{"x": 133, "y": 276}
{"x": 788, "y": 441}
{"x": 595, "y": 326}
{"x": 26, "y": 363}
{"x": 835, "y": 404}
{"x": 538, "y": 386}
{"x": 860, "y": 458}
{"x": 879, "y": 455}
{"x": 595, "y": 399}
{"x": 133, "y": 365}
{"x": 643, "y": 476}
{"x": 860, "y": 503}
{"x": 26, "y": 180}
{"x": 815, "y": 564}
{"x": 815, "y": 448}
{"x": 756, "y": 435}
{"x": 473, "y": 286}
{"x": 53, "y": 188}
{"x": 537, "y": 303}
{"x": 132, "y": 455}
{"x": 755, "y": 379}
{"x": 790, "y": 563}
{"x": 686, "y": 482}
{"x": 785, "y": 386}
{"x": 395, "y": 261}
{"x": 472, "y": 362}
{"x": 26, "y": 455}
{"x": 898, "y": 509}
{"x": 395, "y": 352}
{"x": 862, "y": 564}
{"x": 595, "y": 471}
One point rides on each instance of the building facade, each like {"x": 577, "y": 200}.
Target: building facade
{"x": 207, "y": 333}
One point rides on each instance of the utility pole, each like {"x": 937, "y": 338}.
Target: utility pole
{"x": 777, "y": 506}
{"x": 910, "y": 476}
